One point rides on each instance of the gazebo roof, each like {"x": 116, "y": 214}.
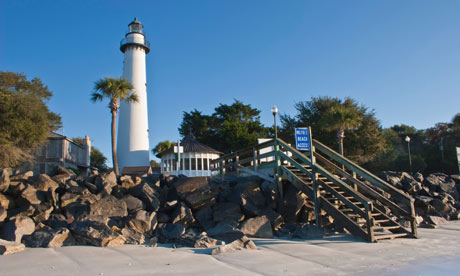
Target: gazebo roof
{"x": 191, "y": 145}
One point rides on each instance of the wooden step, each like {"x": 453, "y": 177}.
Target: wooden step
{"x": 390, "y": 236}
{"x": 387, "y": 227}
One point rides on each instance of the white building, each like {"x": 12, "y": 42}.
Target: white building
{"x": 195, "y": 159}
{"x": 133, "y": 131}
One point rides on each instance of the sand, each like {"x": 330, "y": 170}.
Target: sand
{"x": 436, "y": 252}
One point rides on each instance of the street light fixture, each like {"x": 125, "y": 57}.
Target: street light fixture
{"x": 408, "y": 150}
{"x": 274, "y": 112}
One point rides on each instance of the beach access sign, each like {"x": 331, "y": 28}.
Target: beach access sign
{"x": 303, "y": 138}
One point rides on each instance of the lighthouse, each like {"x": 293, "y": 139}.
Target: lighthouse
{"x": 133, "y": 130}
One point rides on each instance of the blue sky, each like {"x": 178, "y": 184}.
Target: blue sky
{"x": 400, "y": 58}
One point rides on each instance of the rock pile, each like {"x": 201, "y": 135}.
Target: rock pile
{"x": 437, "y": 197}
{"x": 103, "y": 210}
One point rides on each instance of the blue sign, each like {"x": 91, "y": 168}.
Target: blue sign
{"x": 302, "y": 138}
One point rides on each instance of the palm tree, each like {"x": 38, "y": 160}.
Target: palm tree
{"x": 341, "y": 117}
{"x": 114, "y": 90}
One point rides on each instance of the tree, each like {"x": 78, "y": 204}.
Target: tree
{"x": 154, "y": 164}
{"x": 229, "y": 128}
{"x": 341, "y": 117}
{"x": 162, "y": 146}
{"x": 25, "y": 120}
{"x": 365, "y": 141}
{"x": 114, "y": 90}
{"x": 97, "y": 158}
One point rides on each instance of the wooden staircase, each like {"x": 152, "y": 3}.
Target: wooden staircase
{"x": 357, "y": 200}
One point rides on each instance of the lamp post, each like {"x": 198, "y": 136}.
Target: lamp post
{"x": 408, "y": 150}
{"x": 274, "y": 112}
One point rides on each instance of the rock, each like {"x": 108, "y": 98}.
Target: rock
{"x": 418, "y": 177}
{"x": 61, "y": 179}
{"x": 132, "y": 236}
{"x": 23, "y": 211}
{"x": 9, "y": 247}
{"x": 127, "y": 181}
{"x": 201, "y": 198}
{"x": 14, "y": 229}
{"x": 56, "y": 221}
{"x": 148, "y": 195}
{"x": 63, "y": 171}
{"x": 2, "y": 214}
{"x": 187, "y": 185}
{"x": 105, "y": 182}
{"x": 21, "y": 176}
{"x": 442, "y": 208}
{"x": 308, "y": 231}
{"x": 434, "y": 181}
{"x": 435, "y": 220}
{"x": 291, "y": 205}
{"x": 143, "y": 222}
{"x": 49, "y": 238}
{"x": 91, "y": 187}
{"x": 44, "y": 183}
{"x": 96, "y": 233}
{"x": 109, "y": 206}
{"x": 42, "y": 212}
{"x": 4, "y": 179}
{"x": 75, "y": 211}
{"x": 30, "y": 196}
{"x": 227, "y": 211}
{"x": 207, "y": 242}
{"x": 276, "y": 220}
{"x": 183, "y": 215}
{"x": 6, "y": 202}
{"x": 171, "y": 231}
{"x": 133, "y": 204}
{"x": 69, "y": 198}
{"x": 242, "y": 243}
{"x": 204, "y": 217}
{"x": 259, "y": 227}
{"x": 163, "y": 218}
{"x": 225, "y": 232}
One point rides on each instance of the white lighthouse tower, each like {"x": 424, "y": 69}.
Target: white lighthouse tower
{"x": 133, "y": 131}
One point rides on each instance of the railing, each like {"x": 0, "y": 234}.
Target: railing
{"x": 357, "y": 182}
{"x": 135, "y": 40}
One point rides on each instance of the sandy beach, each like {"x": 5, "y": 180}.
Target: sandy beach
{"x": 437, "y": 252}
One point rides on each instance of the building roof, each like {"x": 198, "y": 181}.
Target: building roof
{"x": 191, "y": 145}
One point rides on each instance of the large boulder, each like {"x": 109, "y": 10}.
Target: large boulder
{"x": 7, "y": 202}
{"x": 49, "y": 238}
{"x": 42, "y": 212}
{"x": 308, "y": 231}
{"x": 133, "y": 204}
{"x": 9, "y": 247}
{"x": 187, "y": 185}
{"x": 44, "y": 183}
{"x": 30, "y": 196}
{"x": 204, "y": 217}
{"x": 206, "y": 242}
{"x": 143, "y": 221}
{"x": 4, "y": 179}
{"x": 227, "y": 212}
{"x": 105, "y": 183}
{"x": 109, "y": 206}
{"x": 292, "y": 204}
{"x": 225, "y": 232}
{"x": 14, "y": 229}
{"x": 435, "y": 220}
{"x": 148, "y": 195}
{"x": 239, "y": 244}
{"x": 183, "y": 215}
{"x": 96, "y": 233}
{"x": 201, "y": 198}
{"x": 56, "y": 221}
{"x": 259, "y": 227}
{"x": 170, "y": 232}
{"x": 2, "y": 214}
{"x": 132, "y": 236}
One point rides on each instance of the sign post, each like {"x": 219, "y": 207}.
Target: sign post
{"x": 458, "y": 158}
{"x": 303, "y": 138}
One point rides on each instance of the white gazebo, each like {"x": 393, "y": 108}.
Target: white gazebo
{"x": 195, "y": 160}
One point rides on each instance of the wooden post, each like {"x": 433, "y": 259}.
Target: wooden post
{"x": 314, "y": 178}
{"x": 222, "y": 169}
{"x": 277, "y": 168}
{"x": 237, "y": 160}
{"x": 255, "y": 159}
{"x": 355, "y": 186}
